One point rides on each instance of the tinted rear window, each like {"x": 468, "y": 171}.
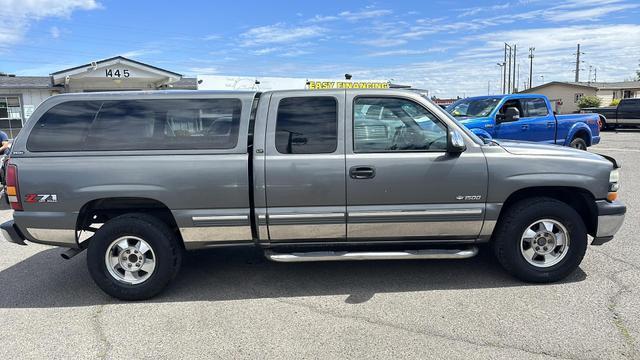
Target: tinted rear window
{"x": 307, "y": 125}
{"x": 63, "y": 127}
{"x": 174, "y": 124}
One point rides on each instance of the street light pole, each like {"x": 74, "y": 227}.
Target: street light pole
{"x": 531, "y": 50}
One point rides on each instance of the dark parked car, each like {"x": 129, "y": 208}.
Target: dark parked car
{"x": 626, "y": 113}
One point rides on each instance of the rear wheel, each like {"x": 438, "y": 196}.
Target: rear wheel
{"x": 540, "y": 240}
{"x": 133, "y": 257}
{"x": 578, "y": 143}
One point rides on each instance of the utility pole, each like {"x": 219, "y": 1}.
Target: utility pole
{"x": 578, "y": 64}
{"x": 595, "y": 74}
{"x": 489, "y": 87}
{"x": 514, "y": 84}
{"x": 531, "y": 50}
{"x": 504, "y": 71}
{"x": 589, "y": 78}
{"x": 509, "y": 70}
{"x": 518, "y": 82}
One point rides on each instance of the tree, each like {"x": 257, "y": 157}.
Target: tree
{"x": 589, "y": 101}
{"x": 638, "y": 73}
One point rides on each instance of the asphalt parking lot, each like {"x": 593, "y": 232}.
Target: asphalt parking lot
{"x": 235, "y": 304}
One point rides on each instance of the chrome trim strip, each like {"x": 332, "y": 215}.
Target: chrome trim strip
{"x": 215, "y": 233}
{"x": 63, "y": 237}
{"x": 372, "y": 255}
{"x": 416, "y": 213}
{"x": 487, "y": 227}
{"x": 306, "y": 216}
{"x": 417, "y": 229}
{"x": 219, "y": 218}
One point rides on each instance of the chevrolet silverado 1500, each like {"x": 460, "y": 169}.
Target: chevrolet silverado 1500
{"x": 137, "y": 178}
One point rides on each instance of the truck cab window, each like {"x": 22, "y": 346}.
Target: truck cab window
{"x": 307, "y": 125}
{"x": 392, "y": 124}
{"x": 535, "y": 108}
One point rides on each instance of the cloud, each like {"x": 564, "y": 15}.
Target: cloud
{"x": 212, "y": 37}
{"x": 55, "y": 32}
{"x": 203, "y": 70}
{"x": 364, "y": 14}
{"x": 20, "y": 14}
{"x": 408, "y": 52}
{"x": 470, "y": 71}
{"x": 279, "y": 34}
{"x": 139, "y": 53}
{"x": 264, "y": 51}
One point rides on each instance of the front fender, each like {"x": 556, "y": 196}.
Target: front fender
{"x": 575, "y": 129}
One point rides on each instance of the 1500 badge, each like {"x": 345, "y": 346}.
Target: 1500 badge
{"x": 468, "y": 197}
{"x": 41, "y": 198}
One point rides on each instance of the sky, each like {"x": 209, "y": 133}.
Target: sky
{"x": 451, "y": 48}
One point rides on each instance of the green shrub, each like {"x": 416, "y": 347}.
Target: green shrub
{"x": 615, "y": 102}
{"x": 589, "y": 101}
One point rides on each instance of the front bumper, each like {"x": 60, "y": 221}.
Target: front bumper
{"x": 11, "y": 233}
{"x": 610, "y": 219}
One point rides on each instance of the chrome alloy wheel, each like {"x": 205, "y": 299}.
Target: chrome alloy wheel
{"x": 130, "y": 259}
{"x": 544, "y": 243}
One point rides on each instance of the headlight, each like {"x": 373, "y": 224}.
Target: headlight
{"x": 614, "y": 176}
{"x": 614, "y": 185}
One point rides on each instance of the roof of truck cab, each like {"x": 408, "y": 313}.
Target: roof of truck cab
{"x": 511, "y": 96}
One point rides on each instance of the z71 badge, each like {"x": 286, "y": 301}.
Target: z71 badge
{"x": 41, "y": 198}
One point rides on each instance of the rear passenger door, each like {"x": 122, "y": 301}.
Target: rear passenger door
{"x": 305, "y": 167}
{"x": 542, "y": 123}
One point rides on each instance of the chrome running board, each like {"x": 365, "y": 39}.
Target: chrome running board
{"x": 372, "y": 255}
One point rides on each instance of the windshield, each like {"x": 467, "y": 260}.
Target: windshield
{"x": 473, "y": 107}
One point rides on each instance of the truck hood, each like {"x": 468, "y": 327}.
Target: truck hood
{"x": 472, "y": 120}
{"x": 475, "y": 122}
{"x": 530, "y": 148}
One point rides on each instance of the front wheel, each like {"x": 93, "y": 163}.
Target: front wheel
{"x": 133, "y": 257}
{"x": 540, "y": 240}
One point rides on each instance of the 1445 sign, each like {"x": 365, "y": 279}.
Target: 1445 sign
{"x": 117, "y": 73}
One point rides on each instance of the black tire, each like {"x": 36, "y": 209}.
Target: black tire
{"x": 163, "y": 242}
{"x": 578, "y": 143}
{"x": 605, "y": 126}
{"x": 514, "y": 222}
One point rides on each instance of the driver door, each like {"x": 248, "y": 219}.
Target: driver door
{"x": 401, "y": 182}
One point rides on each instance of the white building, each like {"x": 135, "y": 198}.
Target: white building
{"x": 564, "y": 96}
{"x": 20, "y": 95}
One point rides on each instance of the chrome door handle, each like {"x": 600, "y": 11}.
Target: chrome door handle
{"x": 362, "y": 172}
{"x": 525, "y": 127}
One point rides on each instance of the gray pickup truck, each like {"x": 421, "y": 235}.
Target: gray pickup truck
{"x": 137, "y": 178}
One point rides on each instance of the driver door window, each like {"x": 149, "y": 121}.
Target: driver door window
{"x": 393, "y": 125}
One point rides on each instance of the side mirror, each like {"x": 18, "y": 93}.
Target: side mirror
{"x": 455, "y": 142}
{"x": 510, "y": 114}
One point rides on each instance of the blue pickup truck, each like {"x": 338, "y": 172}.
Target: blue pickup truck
{"x": 525, "y": 117}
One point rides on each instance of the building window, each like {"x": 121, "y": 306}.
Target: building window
{"x": 10, "y": 115}
{"x": 627, "y": 94}
{"x": 577, "y": 97}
